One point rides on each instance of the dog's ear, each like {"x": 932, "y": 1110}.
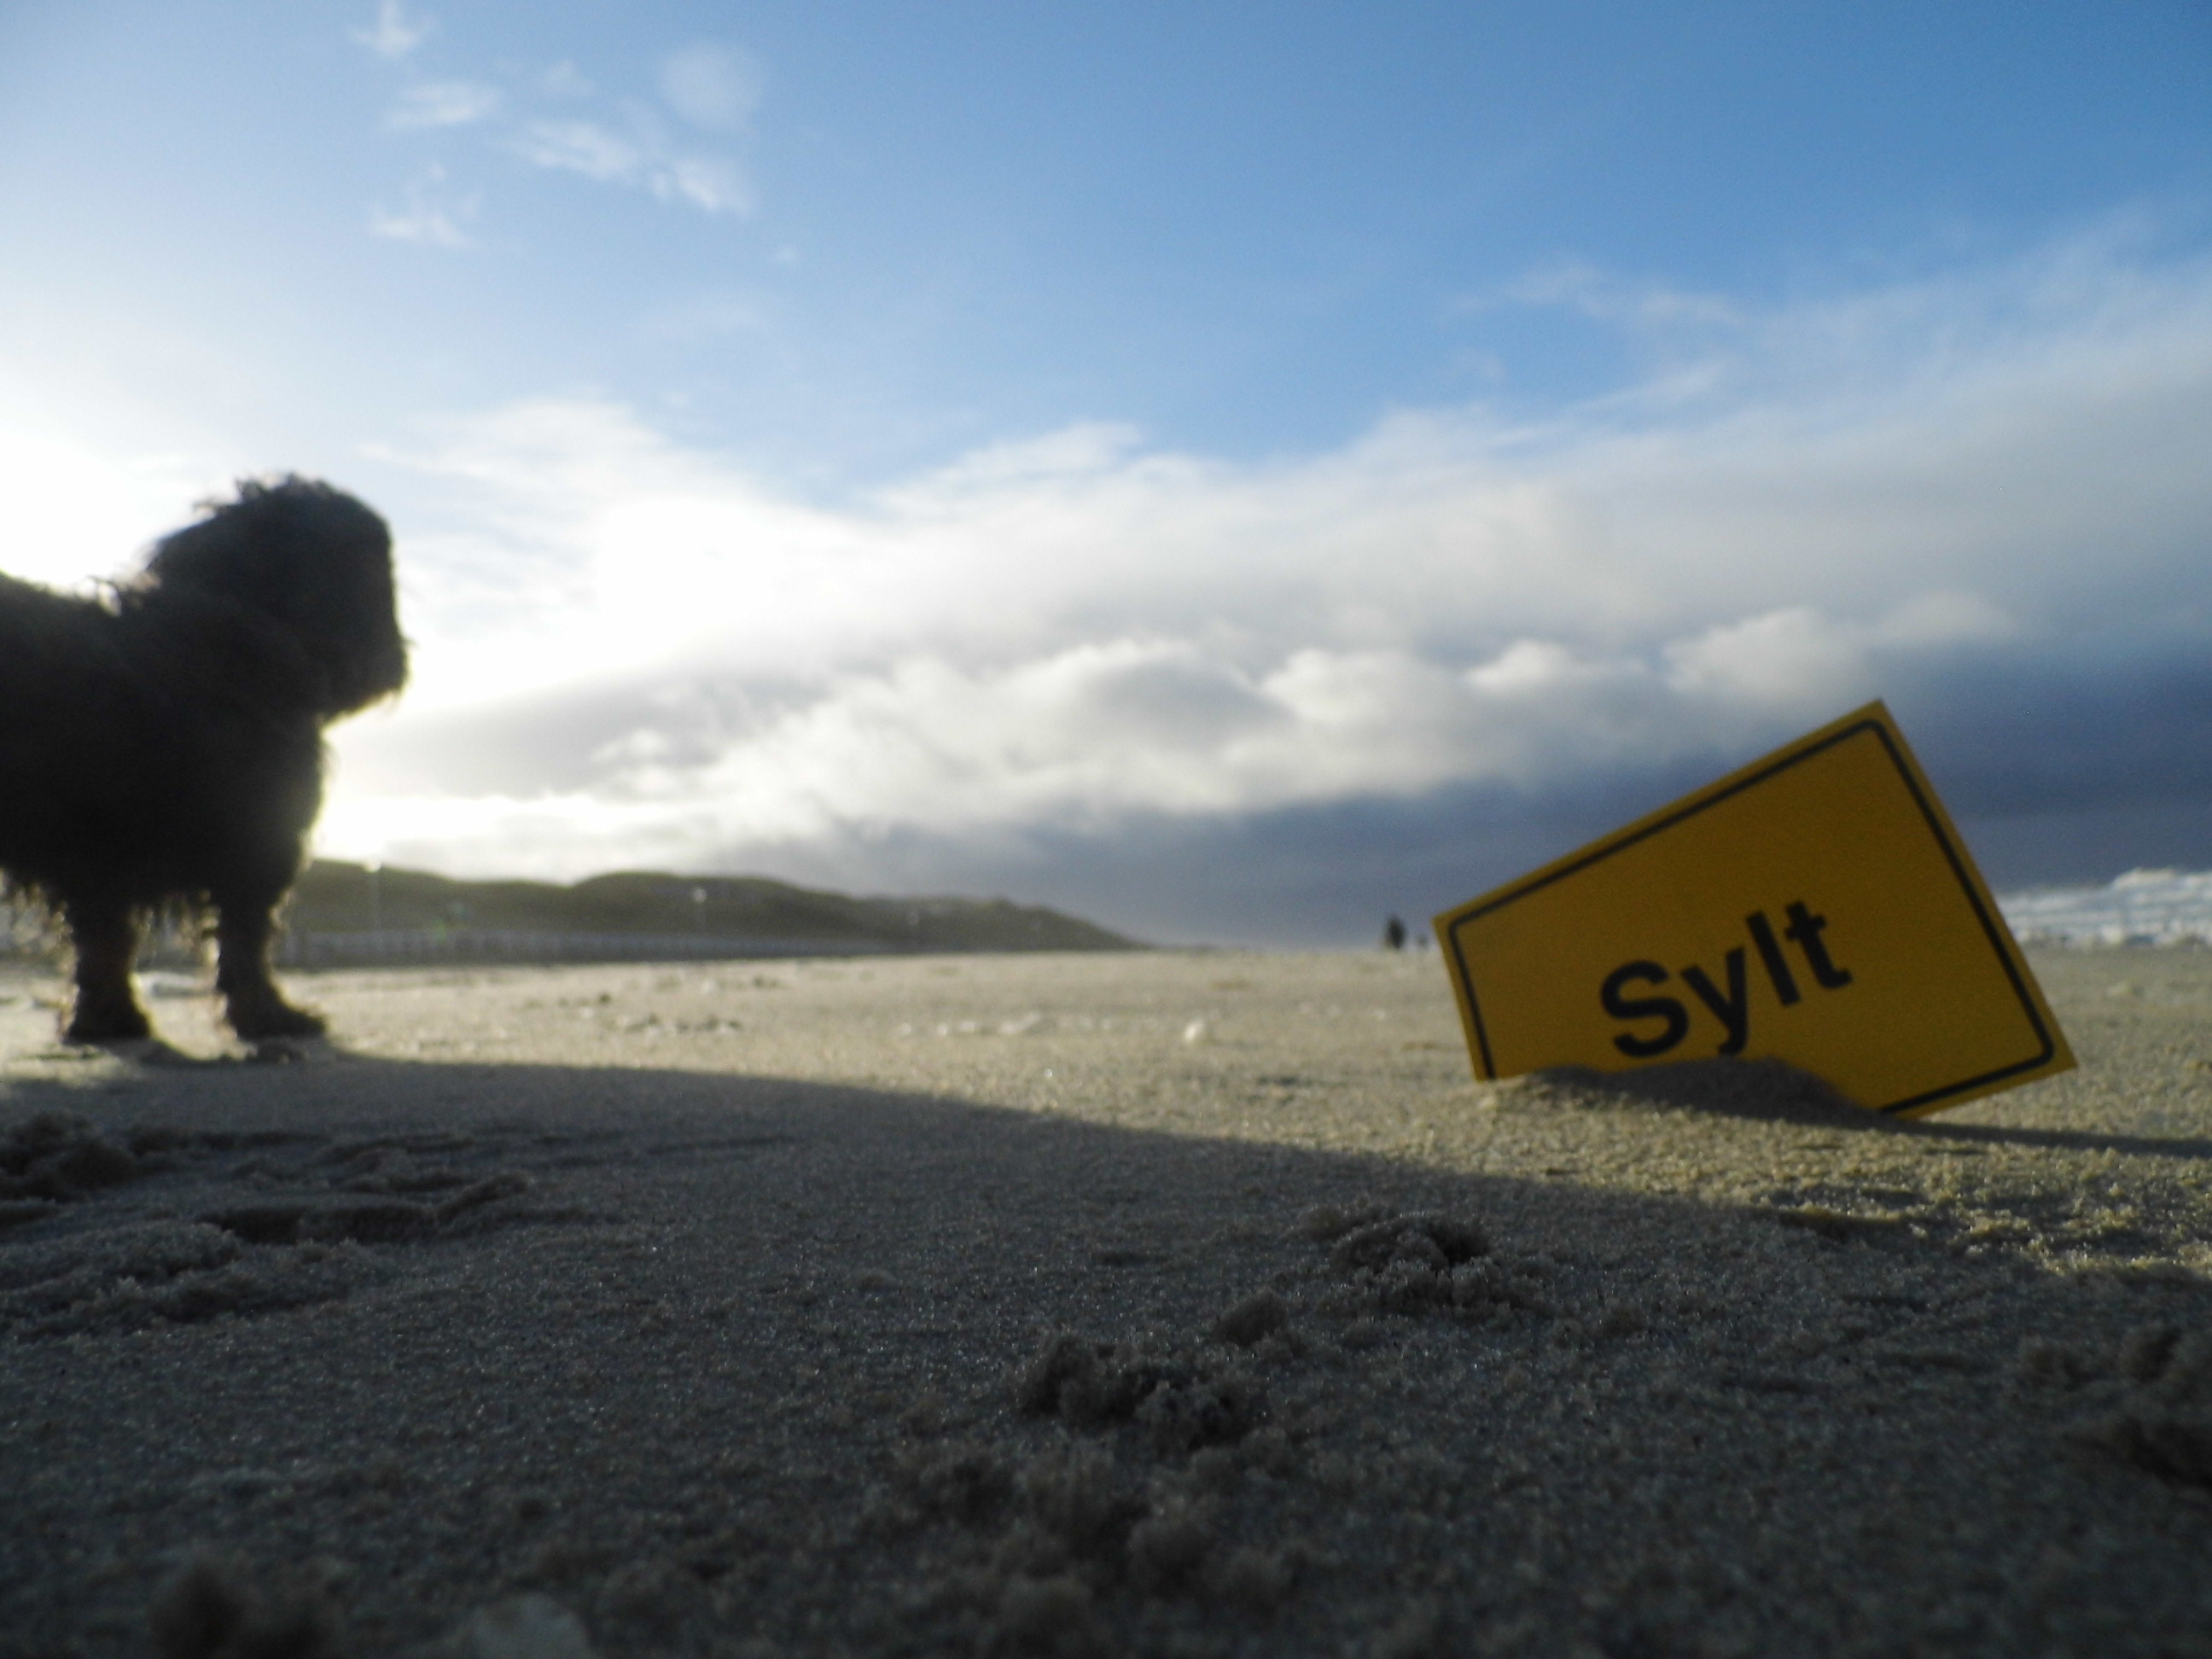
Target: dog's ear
{"x": 312, "y": 559}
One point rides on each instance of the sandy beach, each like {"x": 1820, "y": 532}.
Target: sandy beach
{"x": 1165, "y": 1302}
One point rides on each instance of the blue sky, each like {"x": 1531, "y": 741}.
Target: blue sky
{"x": 1230, "y": 470}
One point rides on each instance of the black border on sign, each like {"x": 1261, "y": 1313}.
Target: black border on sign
{"x": 1990, "y": 928}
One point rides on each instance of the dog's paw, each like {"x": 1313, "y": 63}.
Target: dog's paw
{"x": 260, "y": 1021}
{"x": 104, "y": 1025}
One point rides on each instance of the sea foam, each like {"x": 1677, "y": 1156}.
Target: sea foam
{"x": 2143, "y": 907}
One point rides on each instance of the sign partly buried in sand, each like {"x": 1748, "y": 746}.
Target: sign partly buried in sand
{"x": 1816, "y": 907}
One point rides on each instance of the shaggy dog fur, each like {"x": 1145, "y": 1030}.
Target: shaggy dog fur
{"x": 164, "y": 743}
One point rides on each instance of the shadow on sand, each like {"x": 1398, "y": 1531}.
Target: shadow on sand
{"x": 709, "y": 1360}
{"x": 1772, "y": 1091}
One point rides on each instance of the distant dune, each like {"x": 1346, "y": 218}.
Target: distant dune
{"x": 345, "y": 912}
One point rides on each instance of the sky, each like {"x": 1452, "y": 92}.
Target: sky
{"x": 1232, "y": 472}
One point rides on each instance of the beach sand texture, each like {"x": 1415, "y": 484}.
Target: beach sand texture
{"x": 1164, "y": 1303}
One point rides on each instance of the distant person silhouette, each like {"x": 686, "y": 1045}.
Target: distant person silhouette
{"x": 1393, "y": 934}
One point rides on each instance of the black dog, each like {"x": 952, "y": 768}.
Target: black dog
{"x": 164, "y": 743}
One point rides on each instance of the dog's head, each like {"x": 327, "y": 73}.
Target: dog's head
{"x": 313, "y": 560}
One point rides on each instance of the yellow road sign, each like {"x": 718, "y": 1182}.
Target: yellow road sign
{"x": 1816, "y": 907}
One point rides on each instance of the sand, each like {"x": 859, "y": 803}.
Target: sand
{"x": 1177, "y": 1303}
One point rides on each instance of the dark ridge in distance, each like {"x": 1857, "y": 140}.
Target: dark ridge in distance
{"x": 335, "y": 898}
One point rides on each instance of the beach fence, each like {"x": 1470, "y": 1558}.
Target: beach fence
{"x": 31, "y": 938}
{"x": 399, "y": 946}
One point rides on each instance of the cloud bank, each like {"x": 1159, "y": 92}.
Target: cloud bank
{"x": 1258, "y": 700}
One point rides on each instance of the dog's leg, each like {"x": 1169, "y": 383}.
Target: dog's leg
{"x": 251, "y": 1002}
{"x": 103, "y": 1008}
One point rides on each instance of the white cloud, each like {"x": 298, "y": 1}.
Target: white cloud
{"x": 628, "y": 144}
{"x": 1077, "y": 631}
{"x": 424, "y": 226}
{"x": 711, "y": 184}
{"x": 394, "y": 34}
{"x": 424, "y": 217}
{"x": 584, "y": 146}
{"x": 711, "y": 86}
{"x": 639, "y": 159}
{"x": 442, "y": 104}
{"x": 1794, "y": 658}
{"x": 1582, "y": 287}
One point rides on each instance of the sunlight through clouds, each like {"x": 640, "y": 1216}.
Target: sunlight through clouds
{"x": 937, "y": 452}
{"x": 1068, "y": 634}
{"x": 78, "y": 516}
